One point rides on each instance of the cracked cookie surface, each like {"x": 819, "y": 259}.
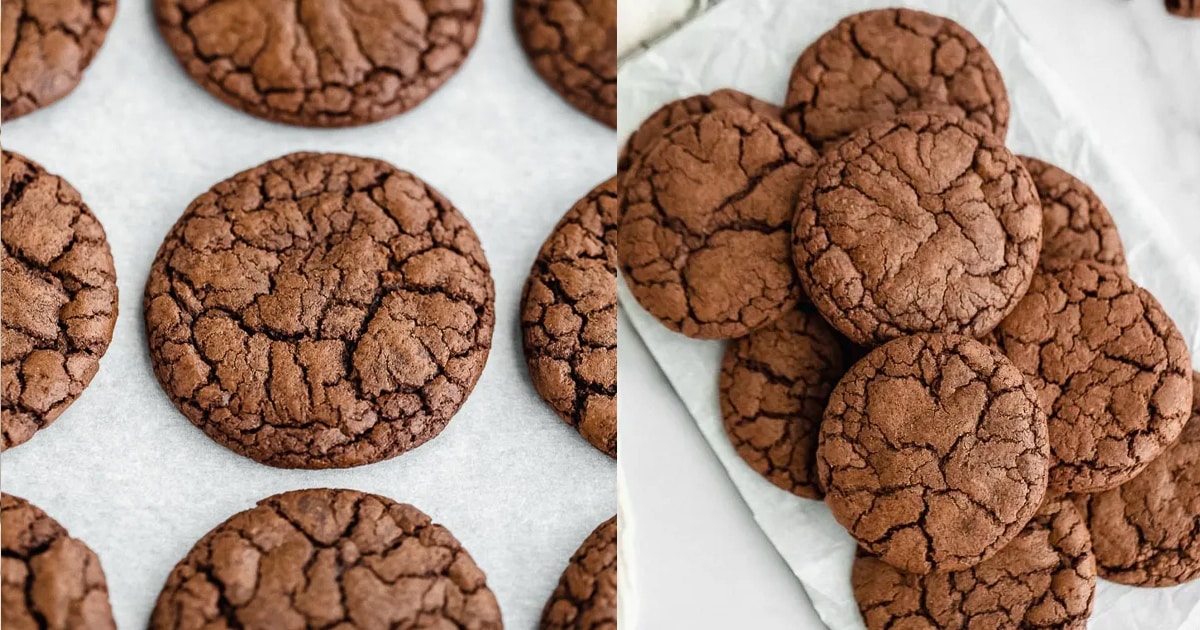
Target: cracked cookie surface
{"x": 917, "y": 224}
{"x": 705, "y": 218}
{"x": 569, "y": 318}
{"x": 46, "y": 45}
{"x": 330, "y": 63}
{"x": 1111, "y": 370}
{"x": 320, "y": 310}
{"x": 59, "y": 301}
{"x": 50, "y": 580}
{"x": 774, "y": 385}
{"x": 1076, "y": 225}
{"x": 875, "y": 65}
{"x": 572, "y": 44}
{"x": 586, "y": 595}
{"x": 1184, "y": 8}
{"x": 327, "y": 559}
{"x": 933, "y": 452}
{"x": 1044, "y": 578}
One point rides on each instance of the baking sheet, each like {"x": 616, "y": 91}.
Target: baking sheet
{"x": 130, "y": 476}
{"x": 751, "y": 45}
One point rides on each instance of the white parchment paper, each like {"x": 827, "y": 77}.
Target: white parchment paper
{"x": 129, "y": 475}
{"x": 751, "y": 45}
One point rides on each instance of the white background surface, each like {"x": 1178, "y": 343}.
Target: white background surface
{"x": 130, "y": 476}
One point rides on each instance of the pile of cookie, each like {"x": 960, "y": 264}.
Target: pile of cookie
{"x": 934, "y": 335}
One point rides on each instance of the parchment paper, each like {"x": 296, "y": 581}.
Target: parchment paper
{"x": 129, "y": 475}
{"x": 751, "y": 45}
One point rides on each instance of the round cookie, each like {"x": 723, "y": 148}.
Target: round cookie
{"x": 569, "y": 318}
{"x": 320, "y": 64}
{"x": 1044, "y": 578}
{"x": 320, "y": 311}
{"x": 774, "y": 385}
{"x": 1076, "y": 225}
{"x": 878, "y": 64}
{"x": 1110, "y": 368}
{"x": 327, "y": 558}
{"x": 45, "y": 47}
{"x": 933, "y": 452}
{"x": 59, "y": 300}
{"x": 50, "y": 580}
{"x": 705, "y": 217}
{"x": 918, "y": 224}
{"x": 586, "y": 595}
{"x": 572, "y": 44}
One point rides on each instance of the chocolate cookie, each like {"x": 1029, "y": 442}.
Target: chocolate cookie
{"x": 320, "y": 311}
{"x": 775, "y": 383}
{"x": 323, "y": 559}
{"x": 1044, "y": 578}
{"x": 917, "y": 224}
{"x": 877, "y": 64}
{"x": 50, "y": 580}
{"x": 569, "y": 318}
{"x": 1111, "y": 370}
{"x": 1076, "y": 225}
{"x": 320, "y": 64}
{"x": 586, "y": 596}
{"x": 1184, "y": 8}
{"x": 933, "y": 452}
{"x": 59, "y": 300}
{"x": 1145, "y": 530}
{"x": 45, "y": 47}
{"x": 705, "y": 217}
{"x": 572, "y": 44}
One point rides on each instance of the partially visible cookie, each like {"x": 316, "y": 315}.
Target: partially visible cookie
{"x": 1111, "y": 370}
{"x": 1184, "y": 8}
{"x": 705, "y": 218}
{"x": 572, "y": 44}
{"x": 1076, "y": 225}
{"x": 586, "y": 595}
{"x": 569, "y": 318}
{"x": 774, "y": 386}
{"x": 59, "y": 300}
{"x": 877, "y": 64}
{"x": 50, "y": 580}
{"x": 933, "y": 452}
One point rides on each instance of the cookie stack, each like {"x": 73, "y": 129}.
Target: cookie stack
{"x": 936, "y": 336}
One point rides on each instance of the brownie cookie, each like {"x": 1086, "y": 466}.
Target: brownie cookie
{"x": 1145, "y": 530}
{"x": 917, "y": 224}
{"x": 1044, "y": 578}
{"x": 1111, "y": 370}
{"x": 59, "y": 300}
{"x": 586, "y": 596}
{"x": 705, "y": 217}
{"x": 774, "y": 386}
{"x": 320, "y": 64}
{"x": 1184, "y": 8}
{"x": 327, "y": 558}
{"x": 320, "y": 311}
{"x": 877, "y": 64}
{"x": 569, "y": 318}
{"x": 45, "y": 48}
{"x": 572, "y": 44}
{"x": 1076, "y": 225}
{"x": 933, "y": 452}
{"x": 50, "y": 580}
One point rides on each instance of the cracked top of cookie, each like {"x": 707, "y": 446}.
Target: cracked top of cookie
{"x": 59, "y": 300}
{"x": 918, "y": 224}
{"x": 1110, "y": 367}
{"x": 327, "y": 558}
{"x": 572, "y": 44}
{"x": 50, "y": 580}
{"x": 321, "y": 64}
{"x": 586, "y": 595}
{"x": 705, "y": 217}
{"x": 569, "y": 318}
{"x": 877, "y": 64}
{"x": 933, "y": 452}
{"x": 1076, "y": 225}
{"x": 320, "y": 310}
